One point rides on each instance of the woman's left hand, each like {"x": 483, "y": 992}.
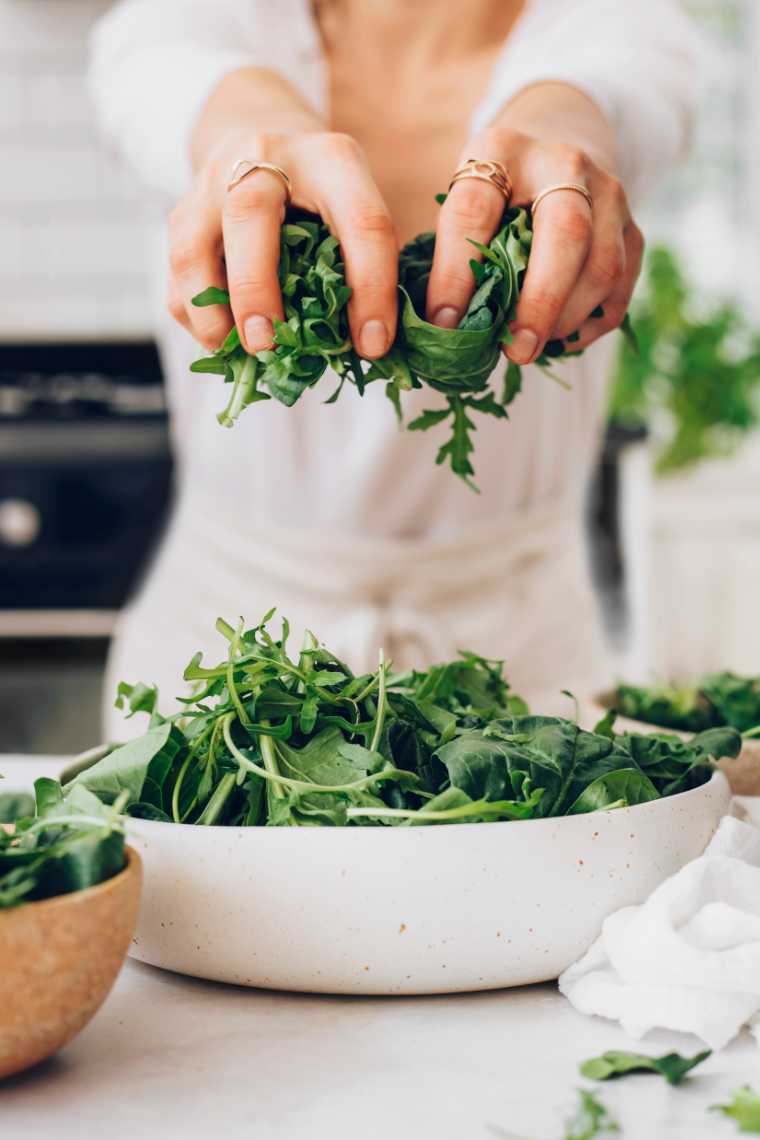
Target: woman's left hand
{"x": 582, "y": 257}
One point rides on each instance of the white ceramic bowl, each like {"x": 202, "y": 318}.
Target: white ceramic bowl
{"x": 406, "y": 910}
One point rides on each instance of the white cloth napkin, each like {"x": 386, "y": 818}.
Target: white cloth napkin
{"x": 688, "y": 958}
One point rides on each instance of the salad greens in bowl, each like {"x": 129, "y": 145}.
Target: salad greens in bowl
{"x": 69, "y": 893}
{"x": 266, "y": 738}
{"x": 305, "y": 828}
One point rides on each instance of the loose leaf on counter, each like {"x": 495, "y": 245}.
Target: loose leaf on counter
{"x": 672, "y": 1066}
{"x": 591, "y": 1119}
{"x": 455, "y": 363}
{"x": 270, "y": 738}
{"x": 744, "y": 1109}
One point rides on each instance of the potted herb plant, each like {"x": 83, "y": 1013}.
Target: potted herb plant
{"x": 690, "y": 523}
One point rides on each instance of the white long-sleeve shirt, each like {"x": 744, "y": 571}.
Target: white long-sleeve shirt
{"x": 155, "y": 62}
{"x": 332, "y": 513}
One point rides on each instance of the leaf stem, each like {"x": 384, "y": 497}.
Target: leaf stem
{"x": 380, "y": 717}
{"x": 215, "y": 805}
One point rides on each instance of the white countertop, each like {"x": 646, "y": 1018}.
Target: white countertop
{"x": 169, "y": 1056}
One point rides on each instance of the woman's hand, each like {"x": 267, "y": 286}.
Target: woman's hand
{"x": 231, "y": 238}
{"x": 581, "y": 258}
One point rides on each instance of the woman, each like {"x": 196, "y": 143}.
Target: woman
{"x": 365, "y": 108}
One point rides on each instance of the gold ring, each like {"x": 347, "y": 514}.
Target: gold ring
{"x": 245, "y": 167}
{"x": 575, "y": 186}
{"x": 485, "y": 170}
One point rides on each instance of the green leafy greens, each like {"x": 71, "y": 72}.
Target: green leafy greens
{"x": 744, "y": 1109}
{"x": 301, "y": 741}
{"x": 719, "y": 699}
{"x": 672, "y": 1066}
{"x": 64, "y": 844}
{"x": 315, "y": 334}
{"x": 696, "y": 373}
{"x": 591, "y": 1119}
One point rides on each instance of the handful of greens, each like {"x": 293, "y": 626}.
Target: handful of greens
{"x": 270, "y": 739}
{"x": 56, "y": 845}
{"x": 315, "y": 334}
{"x": 719, "y": 699}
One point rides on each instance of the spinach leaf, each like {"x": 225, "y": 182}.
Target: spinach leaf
{"x": 744, "y": 1109}
{"x": 59, "y": 846}
{"x": 621, "y": 788}
{"x": 672, "y": 1066}
{"x": 140, "y": 767}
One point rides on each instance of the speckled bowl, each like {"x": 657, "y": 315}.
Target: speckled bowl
{"x": 58, "y": 960}
{"x": 405, "y": 910}
{"x": 743, "y": 773}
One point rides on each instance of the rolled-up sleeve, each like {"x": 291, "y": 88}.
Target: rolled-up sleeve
{"x": 637, "y": 62}
{"x": 154, "y": 64}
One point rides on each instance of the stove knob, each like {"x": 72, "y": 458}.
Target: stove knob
{"x": 20, "y": 522}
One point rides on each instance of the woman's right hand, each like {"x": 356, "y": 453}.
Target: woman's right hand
{"x": 231, "y": 238}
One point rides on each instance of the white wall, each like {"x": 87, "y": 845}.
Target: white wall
{"x": 74, "y": 235}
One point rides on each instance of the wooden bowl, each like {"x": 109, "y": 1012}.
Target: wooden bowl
{"x": 743, "y": 772}
{"x": 58, "y": 960}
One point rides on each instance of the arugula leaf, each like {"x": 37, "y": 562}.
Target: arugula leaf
{"x": 591, "y": 1119}
{"x": 744, "y": 1109}
{"x": 672, "y": 1066}
{"x": 315, "y": 334}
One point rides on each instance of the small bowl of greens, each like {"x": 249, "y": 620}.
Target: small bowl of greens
{"x": 69, "y": 893}
{"x": 305, "y": 828}
{"x": 717, "y": 700}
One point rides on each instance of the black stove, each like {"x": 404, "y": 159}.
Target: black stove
{"x": 85, "y": 473}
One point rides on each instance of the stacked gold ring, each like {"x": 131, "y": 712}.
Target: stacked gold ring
{"x": 575, "y": 187}
{"x": 485, "y": 170}
{"x": 245, "y": 167}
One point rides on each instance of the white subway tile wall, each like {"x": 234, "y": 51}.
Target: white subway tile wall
{"x": 76, "y": 235}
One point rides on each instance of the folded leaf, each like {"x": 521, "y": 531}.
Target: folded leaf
{"x": 672, "y": 1066}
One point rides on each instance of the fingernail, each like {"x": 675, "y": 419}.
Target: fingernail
{"x": 447, "y": 317}
{"x": 523, "y": 346}
{"x": 373, "y": 338}
{"x": 258, "y": 332}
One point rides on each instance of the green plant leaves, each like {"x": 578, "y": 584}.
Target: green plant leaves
{"x": 592, "y": 1119}
{"x": 315, "y": 334}
{"x": 622, "y": 788}
{"x": 719, "y": 699}
{"x": 139, "y": 768}
{"x": 271, "y": 738}
{"x": 744, "y": 1109}
{"x": 15, "y": 805}
{"x": 672, "y": 1066}
{"x": 58, "y": 846}
{"x": 696, "y": 369}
